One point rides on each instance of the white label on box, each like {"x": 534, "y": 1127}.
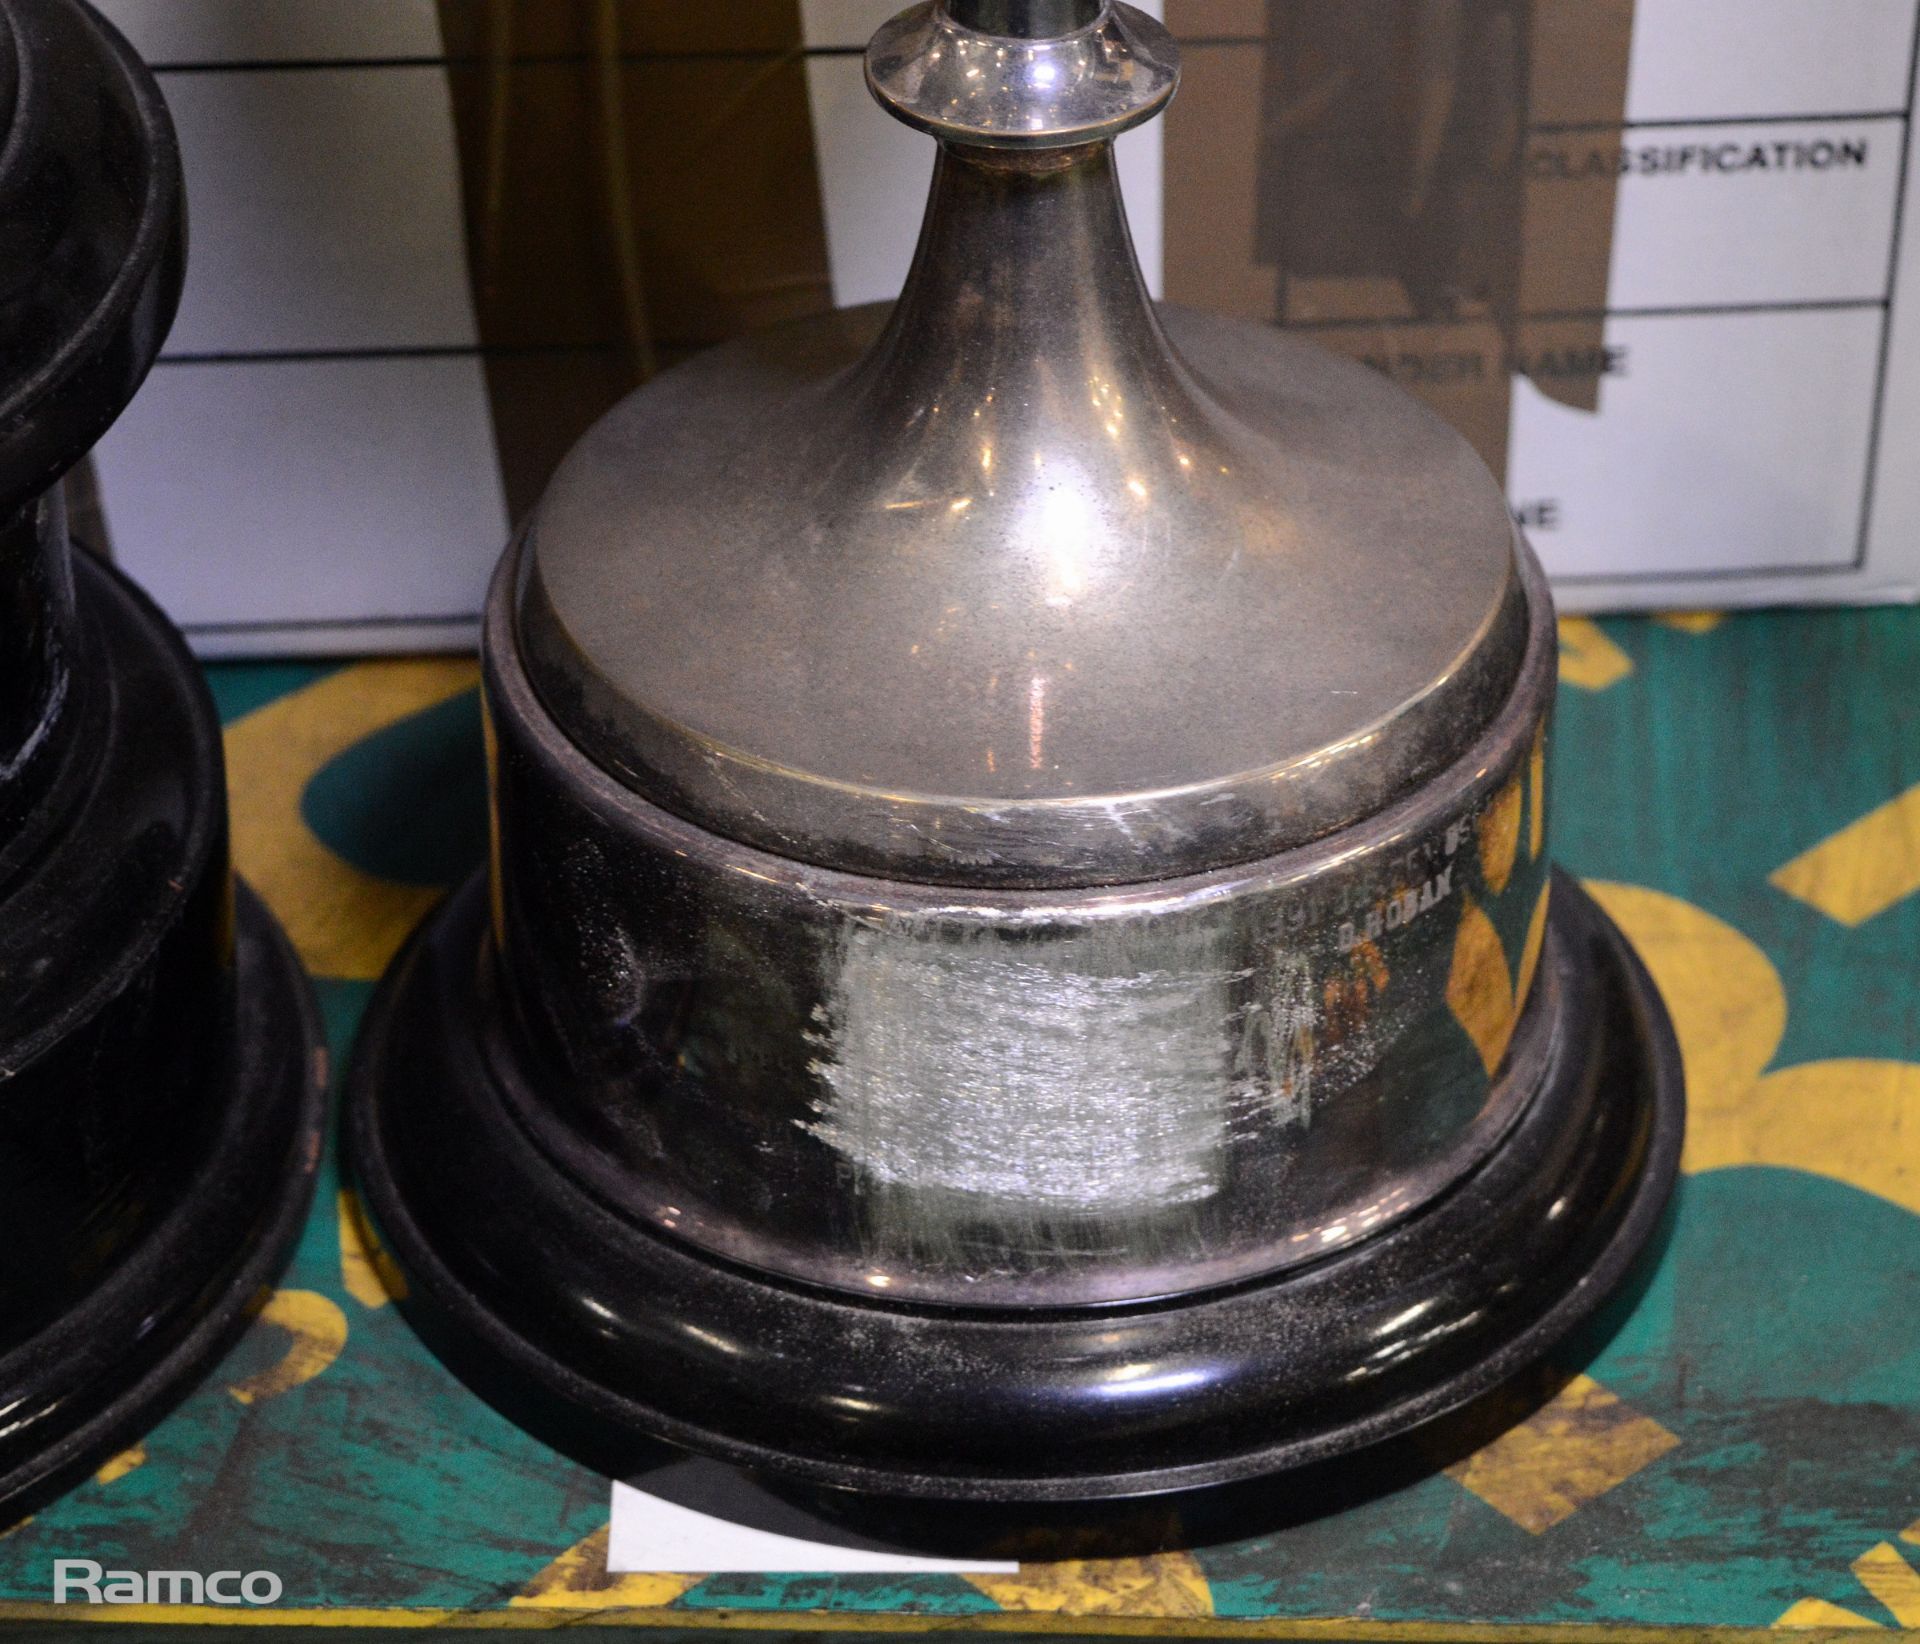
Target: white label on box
{"x": 1748, "y": 448}
{"x": 1690, "y": 468}
{"x": 1724, "y": 216}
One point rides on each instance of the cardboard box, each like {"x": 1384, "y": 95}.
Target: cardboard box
{"x": 1647, "y": 254}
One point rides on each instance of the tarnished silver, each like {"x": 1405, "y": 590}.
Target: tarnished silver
{"x": 1026, "y": 798}
{"x": 1025, "y": 582}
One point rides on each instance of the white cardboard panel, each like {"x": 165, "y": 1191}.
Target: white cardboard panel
{"x": 873, "y": 183}
{"x": 325, "y": 211}
{"x": 842, "y": 25}
{"x": 302, "y": 492}
{"x": 226, "y": 31}
{"x": 1893, "y": 530}
{"x": 1697, "y": 462}
{"x": 1759, "y": 59}
{"x": 252, "y": 640}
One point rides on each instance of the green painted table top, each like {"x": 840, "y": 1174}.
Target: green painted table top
{"x": 1736, "y": 1446}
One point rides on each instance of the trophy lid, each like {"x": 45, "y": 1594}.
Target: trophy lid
{"x": 1024, "y": 582}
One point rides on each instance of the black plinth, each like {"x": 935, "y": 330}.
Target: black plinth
{"x": 162, "y": 1073}
{"x": 603, "y": 1337}
{"x": 162, "y": 1108}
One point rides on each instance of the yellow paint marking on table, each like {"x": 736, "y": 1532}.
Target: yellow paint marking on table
{"x": 344, "y": 922}
{"x": 1885, "y": 1573}
{"x": 1855, "y": 1120}
{"x": 367, "y": 1273}
{"x": 118, "y": 1466}
{"x": 1575, "y": 1448}
{"x": 1588, "y": 658}
{"x": 579, "y": 1578}
{"x": 318, "y": 1330}
{"x": 1728, "y": 1007}
{"x": 1162, "y": 1584}
{"x": 1865, "y": 868}
{"x": 1817, "y": 1612}
{"x": 1887, "y": 1576}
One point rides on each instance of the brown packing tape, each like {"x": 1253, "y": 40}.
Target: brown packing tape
{"x": 1211, "y": 166}
{"x": 1460, "y": 370}
{"x": 1364, "y": 172}
{"x": 639, "y": 181}
{"x": 657, "y": 28}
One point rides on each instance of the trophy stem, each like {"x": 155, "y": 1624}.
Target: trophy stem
{"x": 1025, "y": 19}
{"x": 1025, "y": 314}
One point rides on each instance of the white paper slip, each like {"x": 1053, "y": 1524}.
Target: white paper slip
{"x": 651, "y": 1533}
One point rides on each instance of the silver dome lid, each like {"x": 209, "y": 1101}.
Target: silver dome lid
{"x": 1024, "y": 582}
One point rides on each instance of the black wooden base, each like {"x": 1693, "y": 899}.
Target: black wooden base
{"x": 163, "y": 1101}
{"x": 602, "y": 1337}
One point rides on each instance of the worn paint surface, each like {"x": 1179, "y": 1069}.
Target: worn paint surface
{"x": 1737, "y": 1444}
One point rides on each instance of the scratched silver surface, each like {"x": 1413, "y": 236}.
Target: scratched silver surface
{"x": 1001, "y": 1097}
{"x": 1079, "y": 1071}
